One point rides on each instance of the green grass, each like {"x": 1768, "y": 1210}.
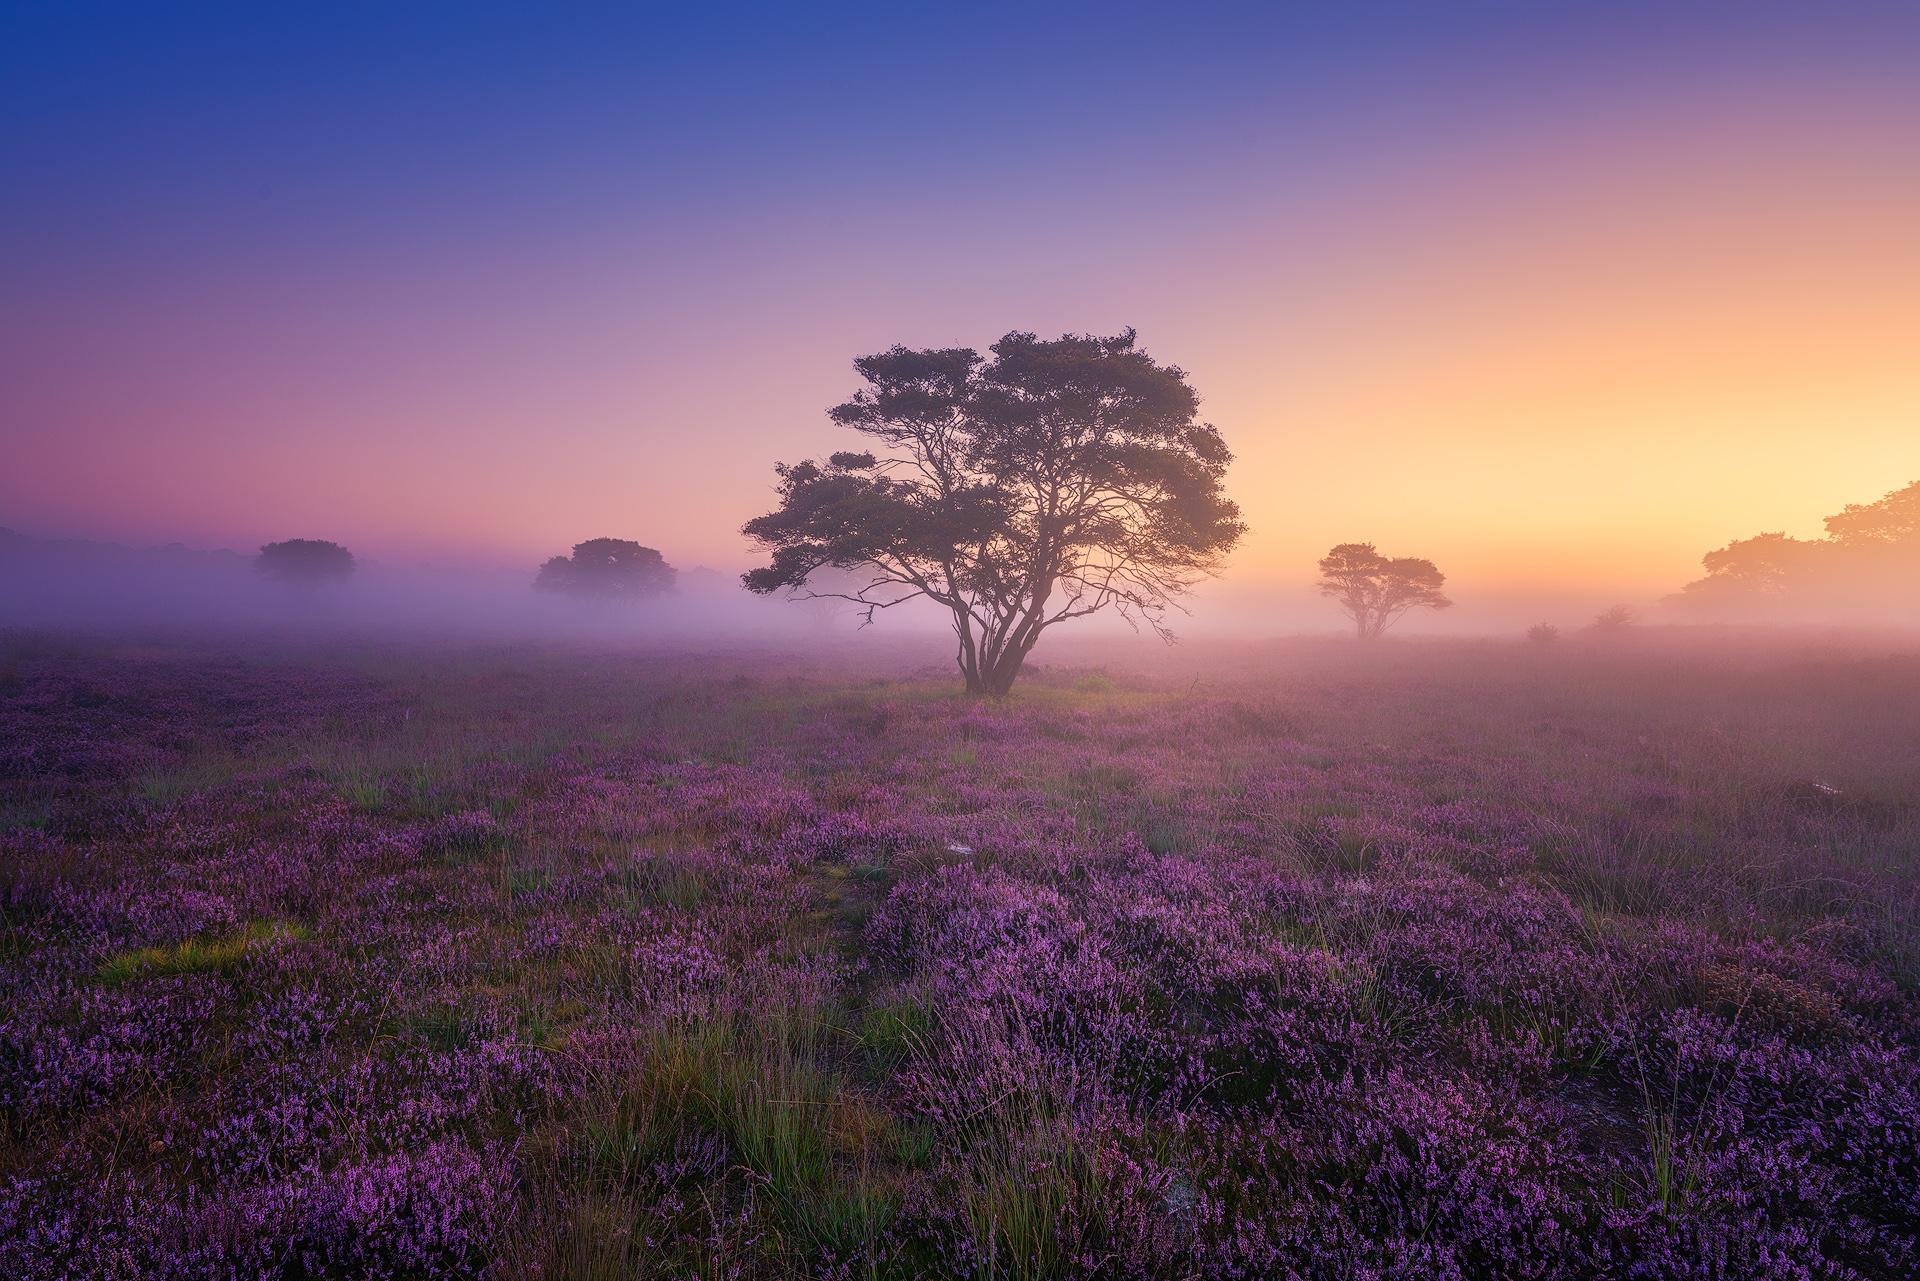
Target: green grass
{"x": 894, "y": 1029}
{"x": 1021, "y": 1193}
{"x": 675, "y": 882}
{"x": 826, "y": 1159}
{"x": 193, "y": 774}
{"x": 1673, "y": 1182}
{"x": 28, "y": 814}
{"x": 440, "y": 1028}
{"x": 200, "y": 955}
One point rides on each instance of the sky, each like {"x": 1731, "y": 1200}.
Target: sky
{"x": 1559, "y": 295}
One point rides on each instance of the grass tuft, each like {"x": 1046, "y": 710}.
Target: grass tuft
{"x": 198, "y": 956}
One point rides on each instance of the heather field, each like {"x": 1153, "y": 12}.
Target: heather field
{"x": 1303, "y": 959}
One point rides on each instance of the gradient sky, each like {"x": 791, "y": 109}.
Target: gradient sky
{"x": 1550, "y": 293}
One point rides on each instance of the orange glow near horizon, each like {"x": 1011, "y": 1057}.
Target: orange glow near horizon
{"x": 1598, "y": 366}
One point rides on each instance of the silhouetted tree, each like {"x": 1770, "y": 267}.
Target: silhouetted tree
{"x": 1543, "y": 633}
{"x": 1376, "y": 591}
{"x": 1060, "y": 478}
{"x": 1893, "y": 519}
{"x": 1766, "y": 563}
{"x": 1868, "y": 563}
{"x": 1613, "y": 619}
{"x": 305, "y": 562}
{"x": 607, "y": 569}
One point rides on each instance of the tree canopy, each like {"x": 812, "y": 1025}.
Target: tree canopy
{"x": 1895, "y": 518}
{"x": 1867, "y": 565}
{"x": 1377, "y": 591}
{"x": 607, "y": 569}
{"x": 304, "y": 562}
{"x": 1058, "y": 478}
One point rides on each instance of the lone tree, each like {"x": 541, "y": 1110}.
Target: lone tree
{"x": 607, "y": 569}
{"x": 1374, "y": 590}
{"x": 1057, "y": 479}
{"x": 305, "y": 562}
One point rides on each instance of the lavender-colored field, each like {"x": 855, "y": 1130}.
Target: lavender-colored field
{"x": 1450, "y": 961}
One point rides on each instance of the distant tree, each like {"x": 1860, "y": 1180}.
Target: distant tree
{"x": 702, "y": 581}
{"x": 305, "y": 562}
{"x": 607, "y": 569}
{"x": 825, "y": 600}
{"x": 1614, "y": 619}
{"x": 1755, "y": 573}
{"x": 1866, "y": 566}
{"x": 1377, "y": 591}
{"x": 1060, "y": 478}
{"x": 1766, "y": 563}
{"x": 1543, "y": 633}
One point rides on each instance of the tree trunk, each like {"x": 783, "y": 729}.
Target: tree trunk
{"x": 999, "y": 677}
{"x": 1003, "y": 667}
{"x": 992, "y": 663}
{"x": 969, "y": 655}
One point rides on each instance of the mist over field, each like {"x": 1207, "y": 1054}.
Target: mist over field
{"x": 1011, "y": 643}
{"x": 69, "y": 582}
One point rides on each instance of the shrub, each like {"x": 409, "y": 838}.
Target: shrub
{"x": 1613, "y": 619}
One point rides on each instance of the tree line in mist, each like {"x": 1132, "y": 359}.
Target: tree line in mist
{"x": 1050, "y": 480}
{"x": 1868, "y": 561}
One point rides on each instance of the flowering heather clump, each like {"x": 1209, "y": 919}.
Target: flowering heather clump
{"x": 1414, "y": 964}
